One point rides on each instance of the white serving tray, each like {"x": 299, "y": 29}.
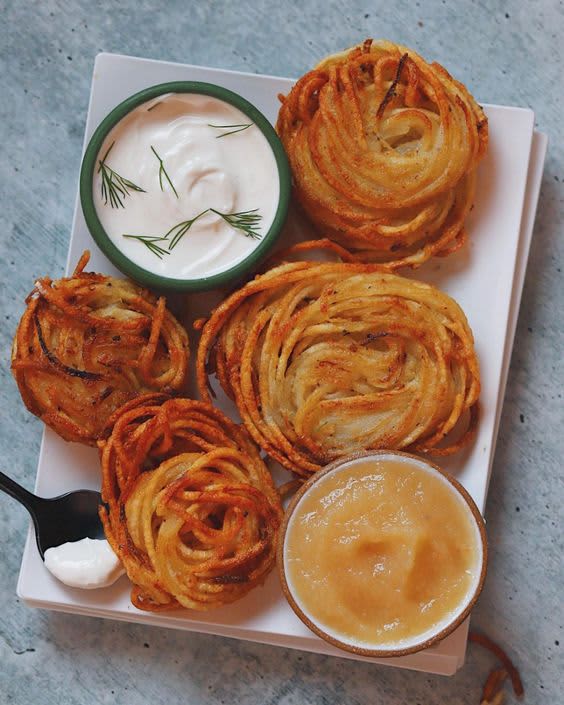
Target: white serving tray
{"x": 486, "y": 278}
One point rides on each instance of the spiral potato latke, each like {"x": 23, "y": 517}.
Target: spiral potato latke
{"x": 191, "y": 509}
{"x": 384, "y": 148}
{"x": 87, "y": 344}
{"x": 324, "y": 360}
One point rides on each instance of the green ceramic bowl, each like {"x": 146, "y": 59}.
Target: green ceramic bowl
{"x": 121, "y": 261}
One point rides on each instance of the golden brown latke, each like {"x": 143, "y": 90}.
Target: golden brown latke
{"x": 383, "y": 149}
{"x": 324, "y": 360}
{"x": 87, "y": 344}
{"x": 191, "y": 509}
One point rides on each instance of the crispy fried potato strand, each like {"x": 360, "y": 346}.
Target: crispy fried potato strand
{"x": 190, "y": 507}
{"x": 87, "y": 344}
{"x": 324, "y": 360}
{"x": 383, "y": 149}
{"x": 492, "y": 693}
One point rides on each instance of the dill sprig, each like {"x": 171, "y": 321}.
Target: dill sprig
{"x": 150, "y": 243}
{"x": 178, "y": 231}
{"x": 233, "y": 128}
{"x": 163, "y": 172}
{"x": 114, "y": 186}
{"x": 247, "y": 221}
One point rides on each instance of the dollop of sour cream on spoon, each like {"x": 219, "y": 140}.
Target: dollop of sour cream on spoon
{"x": 186, "y": 157}
{"x": 87, "y": 564}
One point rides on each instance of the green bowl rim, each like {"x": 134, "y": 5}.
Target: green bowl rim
{"x": 116, "y": 256}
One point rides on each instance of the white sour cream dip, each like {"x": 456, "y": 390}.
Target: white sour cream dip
{"x": 189, "y": 154}
{"x": 87, "y": 564}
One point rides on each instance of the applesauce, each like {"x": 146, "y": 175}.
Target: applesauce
{"x": 382, "y": 552}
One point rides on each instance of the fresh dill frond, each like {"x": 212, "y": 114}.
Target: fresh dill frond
{"x": 163, "y": 172}
{"x": 150, "y": 243}
{"x": 178, "y": 231}
{"x": 247, "y": 221}
{"x": 233, "y": 128}
{"x": 114, "y": 187}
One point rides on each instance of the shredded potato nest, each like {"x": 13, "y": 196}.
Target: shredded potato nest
{"x": 324, "y": 360}
{"x": 190, "y": 507}
{"x": 87, "y": 344}
{"x": 384, "y": 149}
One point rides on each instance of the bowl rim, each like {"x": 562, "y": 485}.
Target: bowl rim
{"x": 115, "y": 255}
{"x": 362, "y": 650}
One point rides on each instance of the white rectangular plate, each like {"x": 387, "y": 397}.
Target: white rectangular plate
{"x": 486, "y": 278}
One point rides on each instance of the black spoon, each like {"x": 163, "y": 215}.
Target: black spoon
{"x": 69, "y": 517}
